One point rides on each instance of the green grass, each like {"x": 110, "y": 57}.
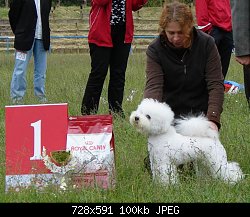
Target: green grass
{"x": 66, "y": 79}
{"x": 4, "y": 13}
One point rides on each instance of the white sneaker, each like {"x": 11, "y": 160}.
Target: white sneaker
{"x": 17, "y": 101}
{"x": 42, "y": 100}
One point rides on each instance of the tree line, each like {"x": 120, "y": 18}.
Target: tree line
{"x": 151, "y": 3}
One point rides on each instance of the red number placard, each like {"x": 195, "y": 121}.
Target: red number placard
{"x": 28, "y": 129}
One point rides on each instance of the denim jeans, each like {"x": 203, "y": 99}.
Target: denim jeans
{"x": 18, "y": 82}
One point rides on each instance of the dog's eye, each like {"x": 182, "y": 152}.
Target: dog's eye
{"x": 148, "y": 117}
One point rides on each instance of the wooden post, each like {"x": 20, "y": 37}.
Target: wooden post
{"x": 81, "y": 11}
{"x": 84, "y": 3}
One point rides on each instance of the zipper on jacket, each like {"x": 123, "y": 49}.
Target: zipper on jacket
{"x": 182, "y": 60}
{"x": 185, "y": 69}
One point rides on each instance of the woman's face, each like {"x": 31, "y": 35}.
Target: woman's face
{"x": 175, "y": 35}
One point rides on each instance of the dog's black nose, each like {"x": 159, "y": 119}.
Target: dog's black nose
{"x": 136, "y": 118}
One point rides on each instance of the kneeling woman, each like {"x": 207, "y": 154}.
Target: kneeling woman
{"x": 183, "y": 66}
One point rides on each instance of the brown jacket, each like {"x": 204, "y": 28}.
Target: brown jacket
{"x": 192, "y": 83}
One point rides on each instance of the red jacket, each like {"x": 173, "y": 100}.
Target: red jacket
{"x": 99, "y": 21}
{"x": 211, "y": 13}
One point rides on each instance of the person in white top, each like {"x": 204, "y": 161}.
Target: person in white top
{"x": 29, "y": 21}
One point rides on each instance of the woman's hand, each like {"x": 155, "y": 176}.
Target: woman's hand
{"x": 244, "y": 60}
{"x": 213, "y": 126}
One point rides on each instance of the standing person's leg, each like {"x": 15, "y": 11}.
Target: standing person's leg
{"x": 100, "y": 57}
{"x": 118, "y": 66}
{"x": 225, "y": 49}
{"x": 224, "y": 43}
{"x": 246, "y": 70}
{"x": 18, "y": 82}
{"x": 40, "y": 67}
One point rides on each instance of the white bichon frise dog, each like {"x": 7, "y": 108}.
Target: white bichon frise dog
{"x": 194, "y": 142}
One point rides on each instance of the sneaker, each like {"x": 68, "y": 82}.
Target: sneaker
{"x": 42, "y": 100}
{"x": 17, "y": 101}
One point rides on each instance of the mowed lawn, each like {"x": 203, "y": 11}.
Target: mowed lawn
{"x": 65, "y": 83}
{"x": 66, "y": 79}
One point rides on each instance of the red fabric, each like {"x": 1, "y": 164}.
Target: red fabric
{"x": 213, "y": 13}
{"x": 227, "y": 87}
{"x": 99, "y": 21}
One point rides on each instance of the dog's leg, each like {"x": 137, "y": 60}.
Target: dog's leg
{"x": 220, "y": 168}
{"x": 217, "y": 161}
{"x": 229, "y": 172}
{"x": 166, "y": 173}
{"x": 233, "y": 173}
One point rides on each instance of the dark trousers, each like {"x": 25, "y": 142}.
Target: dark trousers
{"x": 246, "y": 70}
{"x": 115, "y": 58}
{"x": 224, "y": 42}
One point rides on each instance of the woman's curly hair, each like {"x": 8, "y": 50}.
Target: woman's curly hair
{"x": 180, "y": 13}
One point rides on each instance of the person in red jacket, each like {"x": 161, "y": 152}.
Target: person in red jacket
{"x": 214, "y": 18}
{"x": 110, "y": 37}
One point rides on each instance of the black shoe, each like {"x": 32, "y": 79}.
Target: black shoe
{"x": 88, "y": 111}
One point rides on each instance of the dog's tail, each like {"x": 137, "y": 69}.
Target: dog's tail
{"x": 195, "y": 126}
{"x": 233, "y": 173}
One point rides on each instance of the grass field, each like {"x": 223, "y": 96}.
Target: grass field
{"x": 66, "y": 79}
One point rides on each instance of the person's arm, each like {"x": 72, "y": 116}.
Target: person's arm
{"x": 101, "y": 2}
{"x": 14, "y": 13}
{"x": 154, "y": 80}
{"x": 202, "y": 18}
{"x": 243, "y": 60}
{"x": 215, "y": 84}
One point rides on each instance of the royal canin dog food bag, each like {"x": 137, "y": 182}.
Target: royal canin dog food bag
{"x": 90, "y": 141}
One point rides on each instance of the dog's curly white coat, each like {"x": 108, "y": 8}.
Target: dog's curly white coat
{"x": 194, "y": 141}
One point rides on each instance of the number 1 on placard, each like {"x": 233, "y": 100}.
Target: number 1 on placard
{"x": 37, "y": 140}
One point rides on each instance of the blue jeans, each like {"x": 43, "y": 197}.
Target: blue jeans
{"x": 18, "y": 82}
